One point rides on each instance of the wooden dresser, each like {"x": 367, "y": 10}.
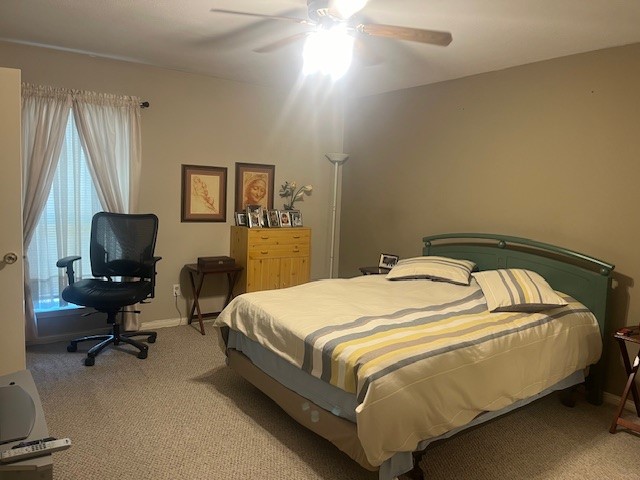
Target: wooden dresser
{"x": 272, "y": 257}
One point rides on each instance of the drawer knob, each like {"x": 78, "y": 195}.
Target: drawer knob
{"x": 264, "y": 252}
{"x": 264, "y": 237}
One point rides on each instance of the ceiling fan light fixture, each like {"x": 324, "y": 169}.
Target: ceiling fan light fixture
{"x": 346, "y": 8}
{"x": 328, "y": 51}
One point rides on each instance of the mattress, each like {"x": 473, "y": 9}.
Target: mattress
{"x": 420, "y": 358}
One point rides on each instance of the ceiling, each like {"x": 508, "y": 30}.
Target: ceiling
{"x": 488, "y": 35}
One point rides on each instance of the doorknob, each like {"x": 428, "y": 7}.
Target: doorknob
{"x": 10, "y": 258}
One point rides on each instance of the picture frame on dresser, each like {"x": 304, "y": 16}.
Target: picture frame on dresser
{"x": 273, "y": 218}
{"x": 296, "y": 218}
{"x": 241, "y": 219}
{"x": 204, "y": 194}
{"x": 255, "y": 216}
{"x": 285, "y": 218}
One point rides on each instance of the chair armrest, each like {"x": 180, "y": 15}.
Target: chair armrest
{"x": 67, "y": 262}
{"x": 152, "y": 268}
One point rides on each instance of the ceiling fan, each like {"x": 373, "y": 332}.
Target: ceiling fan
{"x": 327, "y": 14}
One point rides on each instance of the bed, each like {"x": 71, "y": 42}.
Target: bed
{"x": 383, "y": 365}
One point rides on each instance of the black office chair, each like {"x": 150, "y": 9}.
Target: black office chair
{"x": 121, "y": 246}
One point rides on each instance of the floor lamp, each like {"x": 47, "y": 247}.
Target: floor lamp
{"x": 337, "y": 159}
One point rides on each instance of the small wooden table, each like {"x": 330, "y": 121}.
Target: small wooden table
{"x": 196, "y": 277}
{"x": 633, "y": 336}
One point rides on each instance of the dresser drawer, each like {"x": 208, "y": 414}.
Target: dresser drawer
{"x": 278, "y": 251}
{"x": 274, "y": 236}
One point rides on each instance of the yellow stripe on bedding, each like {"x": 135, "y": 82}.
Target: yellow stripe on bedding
{"x": 348, "y": 355}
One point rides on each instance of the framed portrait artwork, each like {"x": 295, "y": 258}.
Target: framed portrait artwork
{"x": 273, "y": 218}
{"x": 296, "y": 218}
{"x": 285, "y": 218}
{"x": 255, "y": 216}
{"x": 204, "y": 194}
{"x": 254, "y": 185}
{"x": 387, "y": 260}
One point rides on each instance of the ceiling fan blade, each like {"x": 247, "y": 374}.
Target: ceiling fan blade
{"x": 406, "y": 33}
{"x": 281, "y": 43}
{"x": 301, "y": 21}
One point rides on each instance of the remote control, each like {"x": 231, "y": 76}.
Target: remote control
{"x": 43, "y": 448}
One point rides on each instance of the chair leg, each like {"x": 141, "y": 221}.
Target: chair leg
{"x": 73, "y": 344}
{"x": 139, "y": 345}
{"x": 152, "y": 335}
{"x": 114, "y": 338}
{"x": 96, "y": 349}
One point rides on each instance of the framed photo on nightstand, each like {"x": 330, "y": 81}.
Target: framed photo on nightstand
{"x": 387, "y": 260}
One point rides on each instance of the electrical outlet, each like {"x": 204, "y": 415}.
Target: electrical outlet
{"x": 176, "y": 290}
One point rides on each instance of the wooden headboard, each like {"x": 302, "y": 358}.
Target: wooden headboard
{"x": 585, "y": 278}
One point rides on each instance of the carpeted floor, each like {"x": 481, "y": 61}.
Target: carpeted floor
{"x": 181, "y": 414}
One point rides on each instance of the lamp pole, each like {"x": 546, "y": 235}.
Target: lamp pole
{"x": 337, "y": 159}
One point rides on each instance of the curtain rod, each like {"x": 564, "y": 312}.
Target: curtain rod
{"x": 144, "y": 104}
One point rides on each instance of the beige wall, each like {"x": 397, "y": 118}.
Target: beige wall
{"x": 548, "y": 151}
{"x": 201, "y": 120}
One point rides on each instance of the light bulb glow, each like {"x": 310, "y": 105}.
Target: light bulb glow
{"x": 346, "y": 8}
{"x": 328, "y": 51}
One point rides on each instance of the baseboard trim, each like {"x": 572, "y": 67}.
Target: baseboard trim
{"x": 167, "y": 322}
{"x": 615, "y": 400}
{"x": 66, "y": 337}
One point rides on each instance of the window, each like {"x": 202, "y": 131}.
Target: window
{"x": 64, "y": 226}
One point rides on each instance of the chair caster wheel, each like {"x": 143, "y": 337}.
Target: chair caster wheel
{"x": 72, "y": 347}
{"x": 89, "y": 361}
{"x": 142, "y": 355}
{"x": 151, "y": 339}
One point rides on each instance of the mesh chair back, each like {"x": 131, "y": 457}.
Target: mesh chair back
{"x": 122, "y": 245}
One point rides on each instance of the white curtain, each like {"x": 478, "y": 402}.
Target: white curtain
{"x": 109, "y": 128}
{"x": 44, "y": 118}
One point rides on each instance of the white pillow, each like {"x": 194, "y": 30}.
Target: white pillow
{"x": 517, "y": 290}
{"x": 443, "y": 269}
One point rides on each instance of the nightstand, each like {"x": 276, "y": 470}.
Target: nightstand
{"x": 374, "y": 270}
{"x": 622, "y": 336}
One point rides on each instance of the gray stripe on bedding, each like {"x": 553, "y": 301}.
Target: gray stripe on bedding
{"x": 309, "y": 342}
{"x": 449, "y": 348}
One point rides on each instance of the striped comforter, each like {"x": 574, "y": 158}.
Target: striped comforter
{"x": 422, "y": 357}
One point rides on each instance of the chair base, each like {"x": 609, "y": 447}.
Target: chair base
{"x": 115, "y": 337}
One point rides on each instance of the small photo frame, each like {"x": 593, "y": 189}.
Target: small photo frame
{"x": 296, "y": 218}
{"x": 241, "y": 219}
{"x": 273, "y": 218}
{"x": 387, "y": 260}
{"x": 255, "y": 216}
{"x": 285, "y": 218}
{"x": 204, "y": 194}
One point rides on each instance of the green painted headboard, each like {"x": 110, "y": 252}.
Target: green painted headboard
{"x": 585, "y": 278}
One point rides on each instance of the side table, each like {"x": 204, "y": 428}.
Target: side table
{"x": 197, "y": 276}
{"x": 374, "y": 270}
{"x": 628, "y": 334}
